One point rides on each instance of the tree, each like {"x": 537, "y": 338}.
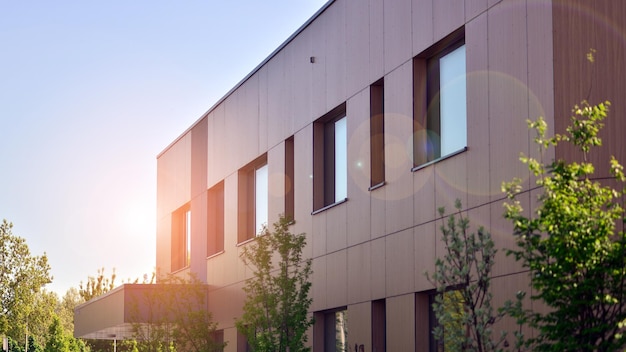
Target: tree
{"x": 275, "y": 313}
{"x": 57, "y": 340}
{"x": 462, "y": 305}
{"x": 572, "y": 244}
{"x": 173, "y": 314}
{"x": 96, "y": 286}
{"x": 22, "y": 276}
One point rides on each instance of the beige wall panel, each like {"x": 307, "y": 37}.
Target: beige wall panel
{"x": 217, "y": 160}
{"x": 398, "y": 139}
{"x": 336, "y": 227}
{"x": 508, "y": 93}
{"x": 164, "y": 245}
{"x": 397, "y": 33}
{"x": 276, "y": 164}
{"x": 360, "y": 325}
{"x": 378, "y": 285}
{"x": 174, "y": 176}
{"x": 540, "y": 68}
{"x": 335, "y": 55}
{"x": 301, "y": 80}
{"x": 357, "y": 46}
{"x": 477, "y": 61}
{"x": 199, "y": 235}
{"x": 359, "y": 273}
{"x": 199, "y": 145}
{"x": 376, "y": 40}
{"x": 400, "y": 262}
{"x": 319, "y": 234}
{"x": 318, "y": 288}
{"x": 318, "y": 69}
{"x": 358, "y": 206}
{"x": 503, "y": 237}
{"x": 303, "y": 187}
{"x": 234, "y": 142}
{"x": 337, "y": 278}
{"x": 448, "y": 15}
{"x": 451, "y": 182}
{"x": 505, "y": 288}
{"x": 474, "y": 8}
{"x": 222, "y": 268}
{"x": 278, "y": 98}
{"x": 230, "y": 336}
{"x": 426, "y": 240}
{"x": 401, "y": 323}
{"x": 248, "y": 117}
{"x": 425, "y": 208}
{"x": 377, "y": 215}
{"x": 226, "y": 304}
{"x": 263, "y": 106}
{"x": 423, "y": 26}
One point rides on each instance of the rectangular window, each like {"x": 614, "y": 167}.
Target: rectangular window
{"x": 453, "y": 308}
{"x": 181, "y": 238}
{"x": 330, "y": 159}
{"x": 440, "y": 111}
{"x": 253, "y": 198}
{"x": 289, "y": 178}
{"x": 379, "y": 325}
{"x": 377, "y": 134}
{"x": 215, "y": 219}
{"x": 336, "y": 331}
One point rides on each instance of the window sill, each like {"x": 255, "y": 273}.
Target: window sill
{"x": 329, "y": 206}
{"x": 426, "y": 164}
{"x": 242, "y": 243}
{"x": 377, "y": 186}
{"x": 215, "y": 254}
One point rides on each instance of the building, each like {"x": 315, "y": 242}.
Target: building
{"x": 364, "y": 122}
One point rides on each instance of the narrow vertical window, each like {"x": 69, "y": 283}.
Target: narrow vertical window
{"x": 181, "y": 238}
{"x": 377, "y": 134}
{"x": 440, "y": 110}
{"x": 261, "y": 198}
{"x": 253, "y": 198}
{"x": 379, "y": 325}
{"x": 215, "y": 219}
{"x": 289, "y": 178}
{"x": 330, "y": 159}
{"x": 336, "y": 331}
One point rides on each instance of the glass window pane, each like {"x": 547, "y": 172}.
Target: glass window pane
{"x": 260, "y": 198}
{"x": 453, "y": 101}
{"x": 341, "y": 159}
{"x": 187, "y": 237}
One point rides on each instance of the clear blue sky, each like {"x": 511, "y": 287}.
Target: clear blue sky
{"x": 91, "y": 92}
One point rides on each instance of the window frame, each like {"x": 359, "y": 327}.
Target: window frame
{"x": 215, "y": 219}
{"x": 180, "y": 251}
{"x": 427, "y": 102}
{"x": 325, "y": 152}
{"x": 247, "y": 199}
{"x": 377, "y": 134}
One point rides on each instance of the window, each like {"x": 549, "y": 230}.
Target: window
{"x": 215, "y": 219}
{"x": 379, "y": 326}
{"x": 253, "y": 198}
{"x": 181, "y": 237}
{"x": 289, "y": 178}
{"x": 426, "y": 321}
{"x": 377, "y": 134}
{"x": 330, "y": 159}
{"x": 336, "y": 331}
{"x": 440, "y": 116}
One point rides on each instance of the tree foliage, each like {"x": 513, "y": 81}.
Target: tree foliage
{"x": 22, "y": 275}
{"x": 173, "y": 315}
{"x": 275, "y": 313}
{"x": 462, "y": 305}
{"x": 573, "y": 243}
{"x": 96, "y": 286}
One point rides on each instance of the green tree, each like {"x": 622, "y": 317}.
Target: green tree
{"x": 275, "y": 313}
{"x": 22, "y": 275}
{"x": 96, "y": 286}
{"x": 572, "y": 244}
{"x": 462, "y": 305}
{"x": 57, "y": 339}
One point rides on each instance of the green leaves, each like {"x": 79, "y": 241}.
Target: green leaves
{"x": 275, "y": 316}
{"x": 571, "y": 245}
